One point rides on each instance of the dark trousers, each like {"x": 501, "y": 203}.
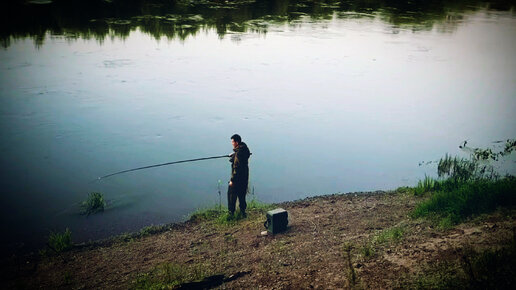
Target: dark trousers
{"x": 235, "y": 192}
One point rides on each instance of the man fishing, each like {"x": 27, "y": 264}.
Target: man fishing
{"x": 239, "y": 175}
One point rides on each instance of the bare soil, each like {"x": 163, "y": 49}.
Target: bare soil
{"x": 310, "y": 254}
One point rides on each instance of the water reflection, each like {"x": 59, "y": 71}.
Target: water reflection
{"x": 179, "y": 19}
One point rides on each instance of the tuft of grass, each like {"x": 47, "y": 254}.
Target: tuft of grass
{"x": 93, "y": 204}
{"x": 207, "y": 214}
{"x": 393, "y": 234}
{"x": 367, "y": 250}
{"x": 60, "y": 242}
{"x": 426, "y": 185}
{"x": 470, "y": 198}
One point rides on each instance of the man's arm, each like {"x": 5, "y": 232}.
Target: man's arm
{"x": 236, "y": 167}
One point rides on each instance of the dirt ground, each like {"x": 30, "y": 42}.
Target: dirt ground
{"x": 310, "y": 254}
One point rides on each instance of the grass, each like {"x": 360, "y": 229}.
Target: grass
{"x": 485, "y": 269}
{"x": 426, "y": 185}
{"x": 208, "y": 214}
{"x": 60, "y": 242}
{"x": 469, "y": 199}
{"x": 170, "y": 275}
{"x": 222, "y": 217}
{"x": 467, "y": 187}
{"x": 152, "y": 229}
{"x": 351, "y": 274}
{"x": 94, "y": 203}
{"x": 367, "y": 250}
{"x": 393, "y": 234}
{"x": 387, "y": 236}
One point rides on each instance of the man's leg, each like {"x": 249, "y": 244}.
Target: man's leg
{"x": 232, "y": 197}
{"x": 241, "y": 200}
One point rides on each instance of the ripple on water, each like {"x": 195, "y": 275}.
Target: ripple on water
{"x": 117, "y": 63}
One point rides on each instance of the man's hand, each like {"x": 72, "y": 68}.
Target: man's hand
{"x": 230, "y": 183}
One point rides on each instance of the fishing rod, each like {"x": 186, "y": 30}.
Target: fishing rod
{"x": 162, "y": 164}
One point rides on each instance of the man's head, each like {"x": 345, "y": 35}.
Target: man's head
{"x": 235, "y": 140}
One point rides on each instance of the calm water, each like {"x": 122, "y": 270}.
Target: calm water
{"x": 328, "y": 98}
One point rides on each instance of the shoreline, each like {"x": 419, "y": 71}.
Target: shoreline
{"x": 385, "y": 245}
{"x": 160, "y": 228}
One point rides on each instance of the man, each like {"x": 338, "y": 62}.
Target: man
{"x": 239, "y": 175}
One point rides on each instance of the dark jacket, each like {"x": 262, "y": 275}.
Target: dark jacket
{"x": 240, "y": 165}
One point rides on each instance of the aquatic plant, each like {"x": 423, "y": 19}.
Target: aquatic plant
{"x": 93, "y": 204}
{"x": 456, "y": 169}
{"x": 60, "y": 241}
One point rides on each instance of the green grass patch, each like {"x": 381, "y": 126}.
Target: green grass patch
{"x": 256, "y": 205}
{"x": 470, "y": 198}
{"x": 60, "y": 242}
{"x": 405, "y": 190}
{"x": 206, "y": 214}
{"x": 152, "y": 229}
{"x": 170, "y": 275}
{"x": 393, "y": 234}
{"x": 93, "y": 204}
{"x": 221, "y": 215}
